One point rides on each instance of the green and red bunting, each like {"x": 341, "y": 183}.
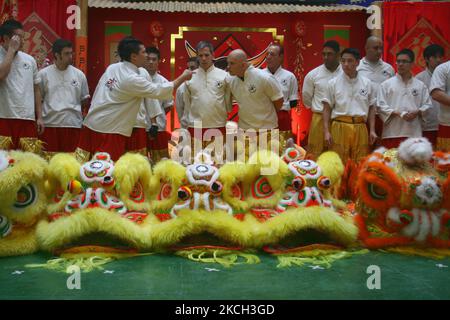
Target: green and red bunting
{"x": 339, "y": 33}
{"x": 114, "y": 32}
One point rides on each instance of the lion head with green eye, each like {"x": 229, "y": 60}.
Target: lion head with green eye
{"x": 22, "y": 201}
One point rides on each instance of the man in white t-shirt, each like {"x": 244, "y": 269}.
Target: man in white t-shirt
{"x": 65, "y": 95}
{"x": 403, "y": 102}
{"x": 258, "y": 94}
{"x": 433, "y": 55}
{"x": 289, "y": 87}
{"x": 350, "y": 102}
{"x": 159, "y": 137}
{"x": 182, "y": 113}
{"x": 207, "y": 98}
{"x": 20, "y": 100}
{"x": 376, "y": 70}
{"x": 314, "y": 89}
{"x": 117, "y": 100}
{"x": 440, "y": 91}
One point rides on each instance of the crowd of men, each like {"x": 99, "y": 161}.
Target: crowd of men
{"x": 357, "y": 103}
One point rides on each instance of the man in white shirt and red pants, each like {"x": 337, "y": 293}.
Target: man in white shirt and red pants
{"x": 65, "y": 94}
{"x": 117, "y": 100}
{"x": 207, "y": 100}
{"x": 20, "y": 100}
{"x": 158, "y": 138}
{"x": 402, "y": 101}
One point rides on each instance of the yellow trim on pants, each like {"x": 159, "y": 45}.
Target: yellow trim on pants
{"x": 350, "y": 140}
{"x": 316, "y": 142}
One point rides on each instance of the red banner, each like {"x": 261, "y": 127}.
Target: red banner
{"x": 415, "y": 26}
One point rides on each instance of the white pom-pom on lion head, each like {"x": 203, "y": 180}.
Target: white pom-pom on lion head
{"x": 415, "y": 151}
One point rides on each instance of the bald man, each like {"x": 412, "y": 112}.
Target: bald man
{"x": 376, "y": 70}
{"x": 372, "y": 66}
{"x": 257, "y": 92}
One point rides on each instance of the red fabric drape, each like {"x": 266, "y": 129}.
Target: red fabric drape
{"x": 52, "y": 12}
{"x": 400, "y": 18}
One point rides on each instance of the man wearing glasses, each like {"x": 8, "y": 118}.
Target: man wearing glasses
{"x": 403, "y": 101}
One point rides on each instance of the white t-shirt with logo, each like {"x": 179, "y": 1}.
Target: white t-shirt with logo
{"x": 165, "y": 104}
{"x": 254, "y": 95}
{"x": 62, "y": 92}
{"x": 207, "y": 98}
{"x": 376, "y": 72}
{"x": 441, "y": 80}
{"x": 396, "y": 95}
{"x": 315, "y": 86}
{"x": 430, "y": 121}
{"x": 150, "y": 108}
{"x": 289, "y": 86}
{"x": 118, "y": 97}
{"x": 350, "y": 97}
{"x": 17, "y": 90}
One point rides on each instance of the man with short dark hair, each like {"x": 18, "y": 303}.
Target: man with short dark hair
{"x": 402, "y": 101}
{"x": 182, "y": 113}
{"x": 350, "y": 102}
{"x": 159, "y": 138}
{"x": 20, "y": 99}
{"x": 207, "y": 96}
{"x": 65, "y": 94}
{"x": 314, "y": 89}
{"x": 289, "y": 87}
{"x": 117, "y": 100}
{"x": 433, "y": 55}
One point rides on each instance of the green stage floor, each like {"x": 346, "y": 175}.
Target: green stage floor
{"x": 164, "y": 277}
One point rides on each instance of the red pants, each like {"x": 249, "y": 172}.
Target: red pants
{"x": 443, "y": 138}
{"x": 137, "y": 142}
{"x": 161, "y": 142}
{"x": 159, "y": 148}
{"x": 13, "y": 130}
{"x": 60, "y": 139}
{"x": 391, "y": 143}
{"x": 93, "y": 141}
{"x": 431, "y": 136}
{"x": 284, "y": 120}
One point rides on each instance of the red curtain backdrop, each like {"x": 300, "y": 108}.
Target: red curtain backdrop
{"x": 303, "y": 38}
{"x": 43, "y": 20}
{"x": 53, "y": 12}
{"x": 402, "y": 29}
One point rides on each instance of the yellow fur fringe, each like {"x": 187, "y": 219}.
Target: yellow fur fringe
{"x": 226, "y": 258}
{"x": 322, "y": 258}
